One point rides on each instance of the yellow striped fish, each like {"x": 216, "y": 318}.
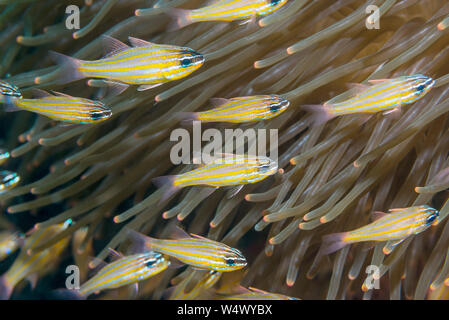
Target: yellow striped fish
{"x": 9, "y": 242}
{"x": 241, "y": 109}
{"x": 125, "y": 271}
{"x": 252, "y": 294}
{"x": 62, "y": 107}
{"x": 225, "y": 10}
{"x": 194, "y": 250}
{"x": 8, "y": 180}
{"x": 395, "y": 226}
{"x": 4, "y": 155}
{"x": 9, "y": 90}
{"x": 231, "y": 170}
{"x": 385, "y": 95}
{"x": 30, "y": 265}
{"x": 205, "y": 283}
{"x": 145, "y": 64}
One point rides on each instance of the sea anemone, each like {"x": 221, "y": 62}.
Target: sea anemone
{"x": 333, "y": 175}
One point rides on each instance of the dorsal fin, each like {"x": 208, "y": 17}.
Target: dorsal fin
{"x": 396, "y": 209}
{"x": 112, "y": 46}
{"x": 216, "y": 102}
{"x": 199, "y": 237}
{"x": 378, "y": 81}
{"x": 175, "y": 232}
{"x": 114, "y": 255}
{"x": 376, "y": 215}
{"x": 39, "y": 93}
{"x": 56, "y": 93}
{"x": 135, "y": 42}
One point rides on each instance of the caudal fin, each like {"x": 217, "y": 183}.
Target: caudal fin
{"x": 5, "y": 289}
{"x": 333, "y": 242}
{"x": 166, "y": 183}
{"x": 319, "y": 114}
{"x": 186, "y": 117}
{"x": 139, "y": 242}
{"x": 66, "y": 294}
{"x": 68, "y": 68}
{"x": 180, "y": 19}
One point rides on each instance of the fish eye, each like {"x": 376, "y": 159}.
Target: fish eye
{"x": 421, "y": 88}
{"x": 275, "y": 107}
{"x": 186, "y": 62}
{"x": 430, "y": 219}
{"x": 274, "y": 2}
{"x": 230, "y": 262}
{"x": 150, "y": 263}
{"x": 96, "y": 115}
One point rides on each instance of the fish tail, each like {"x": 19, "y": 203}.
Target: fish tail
{"x": 180, "y": 19}
{"x": 68, "y": 67}
{"x": 167, "y": 183}
{"x": 5, "y": 289}
{"x": 67, "y": 294}
{"x": 139, "y": 242}
{"x": 187, "y": 117}
{"x": 333, "y": 242}
{"x": 319, "y": 114}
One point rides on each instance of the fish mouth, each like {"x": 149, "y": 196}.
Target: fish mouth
{"x": 284, "y": 103}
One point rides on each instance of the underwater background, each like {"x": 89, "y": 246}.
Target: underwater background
{"x": 334, "y": 175}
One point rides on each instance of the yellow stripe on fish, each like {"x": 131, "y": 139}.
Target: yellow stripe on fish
{"x": 145, "y": 63}
{"x": 251, "y": 293}
{"x": 31, "y": 264}
{"x": 385, "y": 95}
{"x": 62, "y": 107}
{"x": 241, "y": 109}
{"x": 205, "y": 283}
{"x": 125, "y": 271}
{"x": 231, "y": 170}
{"x": 195, "y": 251}
{"x": 225, "y": 10}
{"x": 395, "y": 226}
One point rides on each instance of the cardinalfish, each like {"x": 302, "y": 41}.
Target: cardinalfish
{"x": 394, "y": 227}
{"x": 205, "y": 283}
{"x": 4, "y": 155}
{"x": 194, "y": 250}
{"x": 385, "y": 95}
{"x": 126, "y": 270}
{"x": 145, "y": 64}
{"x": 9, "y": 90}
{"x": 231, "y": 170}
{"x": 241, "y": 109}
{"x": 62, "y": 107}
{"x": 31, "y": 264}
{"x": 8, "y": 180}
{"x": 225, "y": 10}
{"x": 9, "y": 242}
{"x": 251, "y": 293}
